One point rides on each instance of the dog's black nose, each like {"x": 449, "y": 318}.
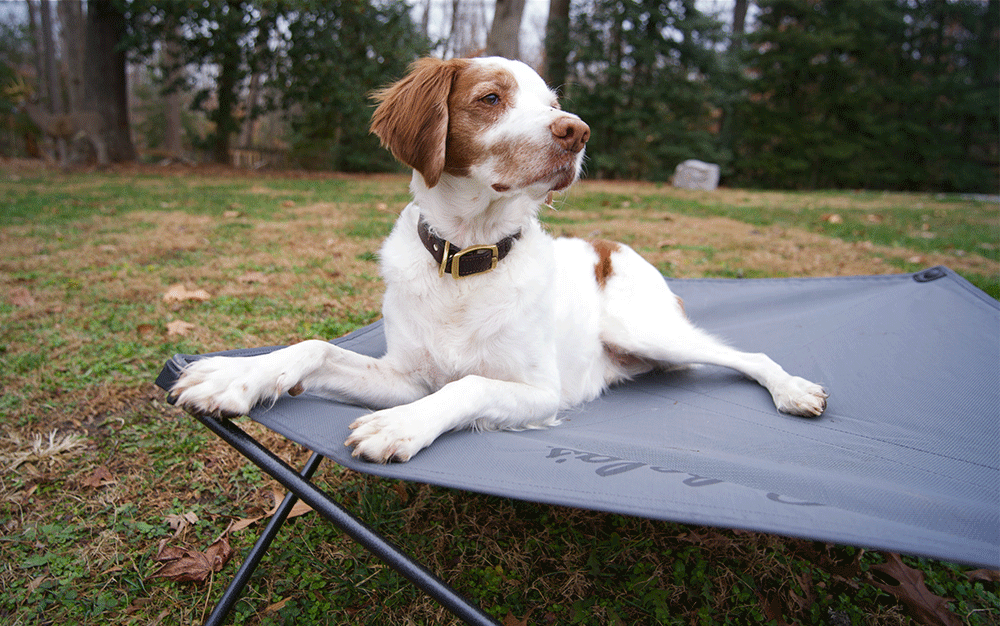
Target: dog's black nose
{"x": 570, "y": 132}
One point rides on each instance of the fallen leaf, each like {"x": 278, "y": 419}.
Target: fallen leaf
{"x": 187, "y": 565}
{"x": 35, "y": 583}
{"x": 179, "y": 328}
{"x": 179, "y": 293}
{"x": 20, "y": 297}
{"x": 178, "y": 522}
{"x": 274, "y": 608}
{"x": 100, "y": 476}
{"x": 299, "y": 508}
{"x": 401, "y": 492}
{"x": 241, "y": 524}
{"x": 985, "y": 575}
{"x": 137, "y": 605}
{"x": 510, "y": 620}
{"x": 910, "y": 590}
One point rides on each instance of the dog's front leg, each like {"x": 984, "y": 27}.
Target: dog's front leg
{"x": 231, "y": 386}
{"x": 396, "y": 434}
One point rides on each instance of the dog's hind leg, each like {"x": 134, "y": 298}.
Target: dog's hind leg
{"x": 643, "y": 319}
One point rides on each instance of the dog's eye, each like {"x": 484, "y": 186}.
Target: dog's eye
{"x": 490, "y": 99}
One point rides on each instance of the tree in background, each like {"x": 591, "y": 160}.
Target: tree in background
{"x": 898, "y": 95}
{"x": 335, "y": 53}
{"x": 642, "y": 75}
{"x": 218, "y": 35}
{"x": 557, "y": 44}
{"x": 105, "y": 85}
{"x": 15, "y": 52}
{"x": 78, "y": 74}
{"x": 313, "y": 60}
{"x": 504, "y": 38}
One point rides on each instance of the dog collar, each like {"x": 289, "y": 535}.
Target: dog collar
{"x": 462, "y": 262}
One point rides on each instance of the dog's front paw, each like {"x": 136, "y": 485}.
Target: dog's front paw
{"x": 389, "y": 435}
{"x": 218, "y": 386}
{"x": 798, "y": 396}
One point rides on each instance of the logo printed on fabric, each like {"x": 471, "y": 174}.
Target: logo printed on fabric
{"x": 612, "y": 466}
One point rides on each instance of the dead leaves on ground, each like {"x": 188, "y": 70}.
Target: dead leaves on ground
{"x": 20, "y": 297}
{"x": 174, "y": 297}
{"x": 909, "y": 589}
{"x": 189, "y": 565}
{"x": 905, "y": 584}
{"x": 299, "y": 508}
{"x": 183, "y": 564}
{"x": 100, "y": 477}
{"x": 179, "y": 328}
{"x": 179, "y": 293}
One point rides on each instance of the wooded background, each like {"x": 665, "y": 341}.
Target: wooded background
{"x": 874, "y": 94}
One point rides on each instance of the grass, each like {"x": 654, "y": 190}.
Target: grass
{"x": 97, "y": 464}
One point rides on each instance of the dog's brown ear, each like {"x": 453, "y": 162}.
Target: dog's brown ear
{"x": 412, "y": 117}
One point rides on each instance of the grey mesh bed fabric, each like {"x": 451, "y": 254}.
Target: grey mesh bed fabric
{"x": 906, "y": 457}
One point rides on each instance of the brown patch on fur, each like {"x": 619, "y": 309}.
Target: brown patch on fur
{"x": 680, "y": 303}
{"x": 603, "y": 268}
{"x": 412, "y": 118}
{"x": 472, "y": 112}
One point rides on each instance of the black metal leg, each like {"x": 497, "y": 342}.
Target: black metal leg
{"x": 253, "y": 557}
{"x": 417, "y": 574}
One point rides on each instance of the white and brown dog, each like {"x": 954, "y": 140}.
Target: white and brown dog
{"x": 490, "y": 323}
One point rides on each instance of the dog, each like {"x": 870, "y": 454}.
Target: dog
{"x": 490, "y": 323}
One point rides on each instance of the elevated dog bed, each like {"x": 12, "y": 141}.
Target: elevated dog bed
{"x": 906, "y": 457}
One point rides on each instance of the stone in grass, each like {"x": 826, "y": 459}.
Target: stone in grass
{"x": 695, "y": 174}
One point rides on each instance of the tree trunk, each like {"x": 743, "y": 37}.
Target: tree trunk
{"x": 225, "y": 124}
{"x": 504, "y": 39}
{"x": 260, "y": 52}
{"x": 425, "y": 19}
{"x": 172, "y": 131}
{"x": 72, "y": 31}
{"x": 105, "y": 81}
{"x": 728, "y": 125}
{"x": 51, "y": 78}
{"x": 36, "y": 42}
{"x": 739, "y": 19}
{"x": 453, "y": 30}
{"x": 55, "y": 105}
{"x": 557, "y": 44}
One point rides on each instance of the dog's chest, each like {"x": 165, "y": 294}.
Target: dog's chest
{"x": 496, "y": 324}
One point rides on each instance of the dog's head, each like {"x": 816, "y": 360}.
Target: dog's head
{"x": 489, "y": 119}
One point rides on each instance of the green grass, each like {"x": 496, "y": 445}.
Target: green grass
{"x": 294, "y": 259}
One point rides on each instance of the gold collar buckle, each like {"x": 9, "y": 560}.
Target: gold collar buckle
{"x": 456, "y": 259}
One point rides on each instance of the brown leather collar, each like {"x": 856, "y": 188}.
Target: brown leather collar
{"x": 461, "y": 263}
